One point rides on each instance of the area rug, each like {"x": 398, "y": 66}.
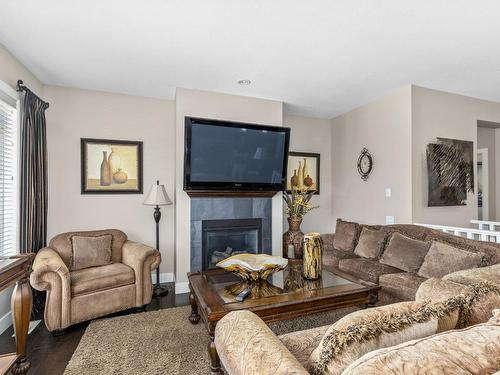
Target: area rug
{"x": 160, "y": 342}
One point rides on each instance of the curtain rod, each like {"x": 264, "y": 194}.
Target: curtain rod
{"x": 21, "y": 87}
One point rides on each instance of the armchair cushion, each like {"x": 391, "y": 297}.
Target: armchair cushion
{"x": 63, "y": 245}
{"x": 94, "y": 279}
{"x": 91, "y": 251}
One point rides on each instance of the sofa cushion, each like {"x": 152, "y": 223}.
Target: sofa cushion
{"x": 346, "y": 235}
{"x": 475, "y": 275}
{"x": 366, "y": 269}
{"x": 403, "y": 285}
{"x": 404, "y": 253}
{"x": 442, "y": 259}
{"x": 333, "y": 257}
{"x": 438, "y": 289}
{"x": 94, "y": 279}
{"x": 472, "y": 350}
{"x": 364, "y": 331}
{"x": 482, "y": 300}
{"x": 302, "y": 343}
{"x": 91, "y": 251}
{"x": 370, "y": 244}
{"x": 62, "y": 243}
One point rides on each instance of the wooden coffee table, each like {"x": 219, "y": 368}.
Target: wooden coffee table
{"x": 287, "y": 295}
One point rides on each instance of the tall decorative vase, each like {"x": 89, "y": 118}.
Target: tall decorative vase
{"x": 300, "y": 182}
{"x": 312, "y": 256}
{"x": 114, "y": 160}
{"x": 105, "y": 170}
{"x": 304, "y": 170}
{"x": 293, "y": 236}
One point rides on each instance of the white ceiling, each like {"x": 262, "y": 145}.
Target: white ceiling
{"x": 321, "y": 57}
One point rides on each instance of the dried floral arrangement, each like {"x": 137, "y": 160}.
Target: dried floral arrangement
{"x": 298, "y": 202}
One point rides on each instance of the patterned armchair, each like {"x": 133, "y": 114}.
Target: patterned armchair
{"x": 92, "y": 274}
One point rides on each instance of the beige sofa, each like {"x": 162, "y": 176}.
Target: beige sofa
{"x": 446, "y": 335}
{"x": 91, "y": 274}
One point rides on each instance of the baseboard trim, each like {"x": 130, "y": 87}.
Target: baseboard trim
{"x": 181, "y": 287}
{"x": 165, "y": 277}
{"x": 5, "y": 322}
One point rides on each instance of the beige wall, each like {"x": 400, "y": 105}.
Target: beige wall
{"x": 384, "y": 128}
{"x": 486, "y": 139}
{"x": 76, "y": 114}
{"x": 440, "y": 114}
{"x": 314, "y": 135}
{"x": 222, "y": 107}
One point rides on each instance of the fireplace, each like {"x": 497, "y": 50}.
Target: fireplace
{"x": 227, "y": 237}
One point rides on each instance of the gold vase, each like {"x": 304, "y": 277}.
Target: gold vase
{"x": 311, "y": 249}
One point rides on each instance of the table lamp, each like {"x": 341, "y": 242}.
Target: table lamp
{"x": 158, "y": 197}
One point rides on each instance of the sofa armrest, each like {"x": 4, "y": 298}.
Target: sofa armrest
{"x": 246, "y": 345}
{"x": 50, "y": 273}
{"x": 142, "y": 259}
{"x": 327, "y": 239}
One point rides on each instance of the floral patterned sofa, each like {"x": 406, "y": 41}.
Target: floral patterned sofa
{"x": 452, "y": 328}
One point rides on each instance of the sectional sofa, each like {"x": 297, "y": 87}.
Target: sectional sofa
{"x": 401, "y": 257}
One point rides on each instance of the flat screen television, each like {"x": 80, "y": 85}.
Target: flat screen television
{"x": 230, "y": 156}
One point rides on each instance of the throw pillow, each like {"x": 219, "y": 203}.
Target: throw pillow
{"x": 364, "y": 331}
{"x": 370, "y": 244}
{"x": 404, "y": 253}
{"x": 346, "y": 235}
{"x": 442, "y": 259}
{"x": 91, "y": 251}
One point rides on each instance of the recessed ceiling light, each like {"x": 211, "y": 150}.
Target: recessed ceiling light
{"x": 244, "y": 82}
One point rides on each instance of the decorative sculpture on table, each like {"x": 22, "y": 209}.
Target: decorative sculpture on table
{"x": 253, "y": 267}
{"x": 312, "y": 256}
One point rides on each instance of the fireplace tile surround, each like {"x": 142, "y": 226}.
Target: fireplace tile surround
{"x": 225, "y": 209}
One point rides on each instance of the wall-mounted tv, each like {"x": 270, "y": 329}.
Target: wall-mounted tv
{"x": 232, "y": 156}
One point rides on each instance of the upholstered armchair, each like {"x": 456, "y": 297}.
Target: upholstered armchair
{"x": 92, "y": 274}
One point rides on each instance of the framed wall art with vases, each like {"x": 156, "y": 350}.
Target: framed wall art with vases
{"x": 111, "y": 166}
{"x": 303, "y": 171}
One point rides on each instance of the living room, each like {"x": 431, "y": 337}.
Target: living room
{"x": 125, "y": 125}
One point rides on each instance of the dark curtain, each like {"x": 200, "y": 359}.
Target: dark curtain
{"x": 33, "y": 182}
{"x": 33, "y": 174}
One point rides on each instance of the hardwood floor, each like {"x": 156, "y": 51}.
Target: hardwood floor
{"x": 49, "y": 355}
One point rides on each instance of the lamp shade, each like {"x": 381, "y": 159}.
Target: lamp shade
{"x": 157, "y": 196}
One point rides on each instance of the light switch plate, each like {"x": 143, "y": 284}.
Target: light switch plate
{"x": 388, "y": 192}
{"x": 389, "y": 220}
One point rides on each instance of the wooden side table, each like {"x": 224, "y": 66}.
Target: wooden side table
{"x": 16, "y": 270}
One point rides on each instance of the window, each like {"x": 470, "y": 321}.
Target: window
{"x": 9, "y": 105}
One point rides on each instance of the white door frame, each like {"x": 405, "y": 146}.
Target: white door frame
{"x": 486, "y": 178}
